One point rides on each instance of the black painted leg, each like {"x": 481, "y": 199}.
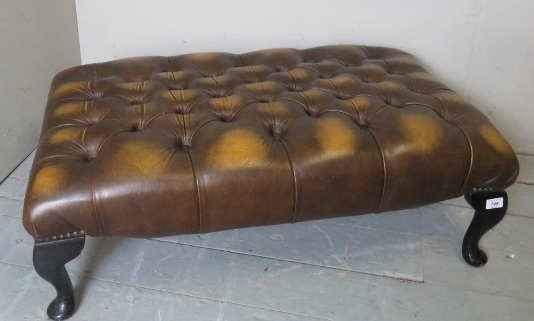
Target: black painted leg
{"x": 49, "y": 259}
{"x": 490, "y": 208}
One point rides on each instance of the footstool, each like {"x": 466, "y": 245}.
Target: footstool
{"x": 158, "y": 146}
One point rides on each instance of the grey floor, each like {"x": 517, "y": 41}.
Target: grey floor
{"x": 402, "y": 265}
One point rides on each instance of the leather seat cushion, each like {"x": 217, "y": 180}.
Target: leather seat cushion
{"x": 155, "y": 146}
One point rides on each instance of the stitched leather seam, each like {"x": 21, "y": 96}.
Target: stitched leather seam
{"x": 198, "y": 192}
{"x": 358, "y": 95}
{"x": 108, "y": 111}
{"x": 293, "y": 78}
{"x": 122, "y": 121}
{"x": 54, "y": 156}
{"x": 106, "y": 89}
{"x": 298, "y": 102}
{"x": 309, "y": 68}
{"x": 143, "y": 111}
{"x": 159, "y": 115}
{"x": 317, "y": 115}
{"x": 90, "y": 89}
{"x": 193, "y": 133}
{"x": 93, "y": 198}
{"x": 57, "y": 102}
{"x": 470, "y": 161}
{"x": 294, "y": 183}
{"x": 422, "y": 104}
{"x": 35, "y": 231}
{"x": 55, "y": 127}
{"x": 336, "y": 60}
{"x": 183, "y": 129}
{"x": 105, "y": 141}
{"x": 384, "y": 171}
{"x": 163, "y": 132}
{"x": 84, "y": 132}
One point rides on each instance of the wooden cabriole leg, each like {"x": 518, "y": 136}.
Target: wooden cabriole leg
{"x": 490, "y": 208}
{"x": 49, "y": 259}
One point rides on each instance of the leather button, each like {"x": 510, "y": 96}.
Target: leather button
{"x": 343, "y": 96}
{"x": 312, "y": 113}
{"x": 97, "y": 96}
{"x": 393, "y": 103}
{"x": 182, "y": 145}
{"x": 226, "y": 118}
{"x": 276, "y": 132}
{"x": 91, "y": 123}
{"x": 280, "y": 69}
{"x": 219, "y": 95}
{"x": 176, "y": 86}
{"x": 295, "y": 89}
{"x": 210, "y": 75}
{"x": 361, "y": 122}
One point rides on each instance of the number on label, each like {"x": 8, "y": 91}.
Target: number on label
{"x": 494, "y": 203}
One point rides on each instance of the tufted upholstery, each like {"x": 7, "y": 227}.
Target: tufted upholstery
{"x": 154, "y": 146}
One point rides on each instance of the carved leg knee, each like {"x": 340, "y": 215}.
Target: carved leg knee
{"x": 49, "y": 259}
{"x": 490, "y": 208}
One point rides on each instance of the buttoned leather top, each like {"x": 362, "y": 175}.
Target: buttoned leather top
{"x": 155, "y": 146}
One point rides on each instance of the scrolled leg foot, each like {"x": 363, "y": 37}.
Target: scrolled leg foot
{"x": 490, "y": 208}
{"x": 49, "y": 259}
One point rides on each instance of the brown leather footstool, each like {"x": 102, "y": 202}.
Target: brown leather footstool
{"x": 157, "y": 146}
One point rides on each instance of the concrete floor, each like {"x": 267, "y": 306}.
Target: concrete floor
{"x": 402, "y": 265}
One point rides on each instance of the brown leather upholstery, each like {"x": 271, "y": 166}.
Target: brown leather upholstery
{"x": 155, "y": 146}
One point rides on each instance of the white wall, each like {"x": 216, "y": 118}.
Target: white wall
{"x": 37, "y": 39}
{"x": 480, "y": 48}
{"x": 501, "y": 77}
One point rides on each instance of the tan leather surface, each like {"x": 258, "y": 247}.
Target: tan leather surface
{"x": 155, "y": 146}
